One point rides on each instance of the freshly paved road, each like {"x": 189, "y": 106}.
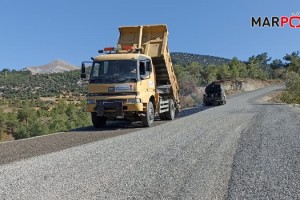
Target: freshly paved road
{"x": 246, "y": 149}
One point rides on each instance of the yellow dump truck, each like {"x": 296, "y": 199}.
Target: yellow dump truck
{"x": 135, "y": 80}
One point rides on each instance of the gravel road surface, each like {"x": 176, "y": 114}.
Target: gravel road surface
{"x": 22, "y": 149}
{"x": 246, "y": 149}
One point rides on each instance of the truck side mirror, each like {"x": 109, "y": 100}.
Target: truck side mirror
{"x": 83, "y": 69}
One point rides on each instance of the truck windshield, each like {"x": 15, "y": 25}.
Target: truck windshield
{"x": 114, "y": 71}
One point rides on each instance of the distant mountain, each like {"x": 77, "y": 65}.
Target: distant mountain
{"x": 185, "y": 58}
{"x": 56, "y": 66}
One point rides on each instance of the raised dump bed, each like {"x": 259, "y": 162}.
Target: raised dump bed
{"x": 153, "y": 42}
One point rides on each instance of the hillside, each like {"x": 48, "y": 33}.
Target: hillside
{"x": 56, "y": 66}
{"x": 23, "y": 85}
{"x": 186, "y": 58}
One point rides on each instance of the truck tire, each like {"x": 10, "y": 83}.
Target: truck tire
{"x": 170, "y": 115}
{"x": 98, "y": 122}
{"x": 148, "y": 119}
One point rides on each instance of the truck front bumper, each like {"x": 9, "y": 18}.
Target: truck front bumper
{"x": 116, "y": 108}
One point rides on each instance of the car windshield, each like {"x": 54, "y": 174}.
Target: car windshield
{"x": 114, "y": 71}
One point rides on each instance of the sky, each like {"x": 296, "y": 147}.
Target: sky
{"x": 36, "y": 32}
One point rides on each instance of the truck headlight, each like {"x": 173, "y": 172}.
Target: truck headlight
{"x": 90, "y": 101}
{"x": 132, "y": 101}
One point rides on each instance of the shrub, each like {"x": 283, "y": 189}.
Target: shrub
{"x": 292, "y": 93}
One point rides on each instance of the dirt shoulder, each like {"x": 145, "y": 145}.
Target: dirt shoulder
{"x": 274, "y": 98}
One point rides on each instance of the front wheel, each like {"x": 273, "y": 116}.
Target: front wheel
{"x": 170, "y": 115}
{"x": 98, "y": 122}
{"x": 148, "y": 119}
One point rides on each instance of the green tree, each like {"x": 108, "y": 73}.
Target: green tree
{"x": 72, "y": 116}
{"x": 36, "y": 128}
{"x": 253, "y": 68}
{"x": 2, "y": 119}
{"x": 224, "y": 72}
{"x": 294, "y": 62}
{"x": 24, "y": 114}
{"x": 195, "y": 70}
{"x": 258, "y": 66}
{"x": 210, "y": 73}
{"x": 237, "y": 68}
{"x": 21, "y": 132}
{"x": 11, "y": 122}
{"x": 60, "y": 107}
{"x": 292, "y": 93}
{"x": 58, "y": 123}
{"x": 187, "y": 85}
{"x": 179, "y": 70}
{"x": 277, "y": 63}
{"x": 263, "y": 59}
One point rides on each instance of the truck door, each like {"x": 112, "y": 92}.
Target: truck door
{"x": 146, "y": 76}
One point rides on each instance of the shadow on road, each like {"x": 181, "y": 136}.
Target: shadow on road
{"x": 122, "y": 125}
{"x": 190, "y": 111}
{"x": 111, "y": 126}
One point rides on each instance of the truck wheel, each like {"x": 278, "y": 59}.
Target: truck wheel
{"x": 98, "y": 122}
{"x": 148, "y": 120}
{"x": 170, "y": 115}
